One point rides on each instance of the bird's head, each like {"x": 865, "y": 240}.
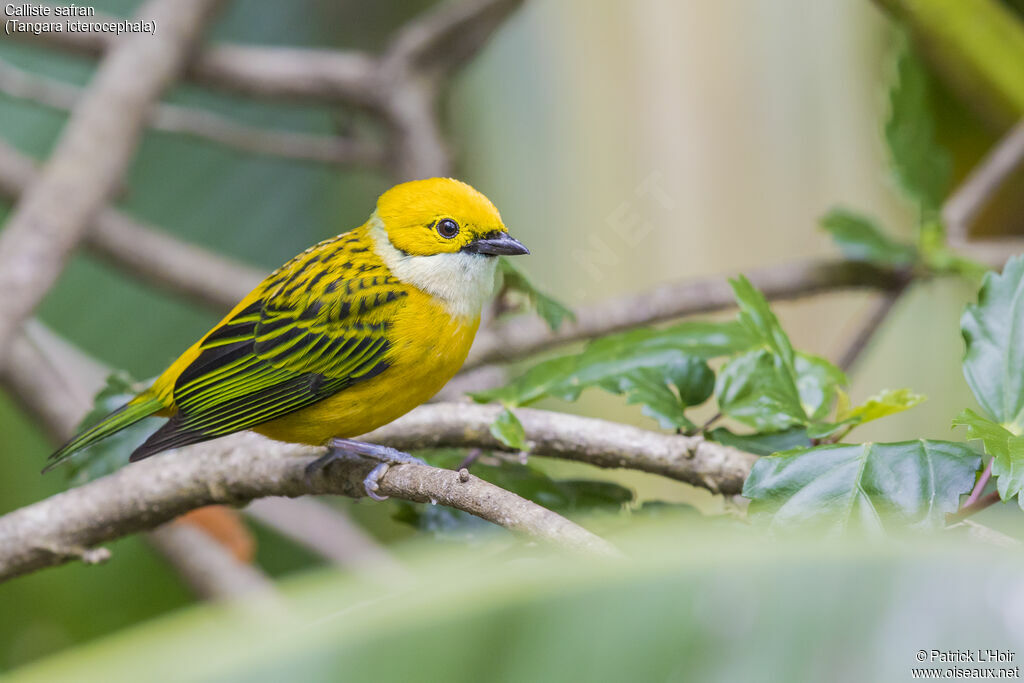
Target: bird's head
{"x": 444, "y": 216}
{"x": 442, "y": 236}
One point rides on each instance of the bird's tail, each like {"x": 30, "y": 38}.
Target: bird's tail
{"x": 137, "y": 409}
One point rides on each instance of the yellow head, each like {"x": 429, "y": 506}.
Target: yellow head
{"x": 443, "y": 215}
{"x": 442, "y": 236}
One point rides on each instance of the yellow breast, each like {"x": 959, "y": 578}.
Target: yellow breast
{"x": 429, "y": 345}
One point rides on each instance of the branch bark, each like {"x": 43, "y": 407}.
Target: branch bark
{"x": 93, "y": 151}
{"x": 691, "y": 459}
{"x": 203, "y": 125}
{"x": 145, "y": 252}
{"x": 525, "y": 335}
{"x": 233, "y": 471}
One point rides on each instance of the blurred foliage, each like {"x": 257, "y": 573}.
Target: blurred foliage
{"x": 726, "y": 606}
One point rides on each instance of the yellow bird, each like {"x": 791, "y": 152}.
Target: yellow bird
{"x": 347, "y": 336}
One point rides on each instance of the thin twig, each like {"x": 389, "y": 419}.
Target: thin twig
{"x": 878, "y": 312}
{"x": 526, "y": 335}
{"x": 145, "y": 252}
{"x": 984, "y": 180}
{"x": 979, "y": 486}
{"x": 980, "y": 504}
{"x": 93, "y": 151}
{"x": 203, "y": 125}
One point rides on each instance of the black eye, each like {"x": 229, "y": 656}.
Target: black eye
{"x": 447, "y": 228}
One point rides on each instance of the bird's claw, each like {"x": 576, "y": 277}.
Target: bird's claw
{"x": 372, "y": 481}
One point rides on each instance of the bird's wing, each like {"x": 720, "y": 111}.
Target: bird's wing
{"x": 309, "y": 338}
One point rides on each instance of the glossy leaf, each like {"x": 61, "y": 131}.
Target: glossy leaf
{"x": 507, "y": 429}
{"x": 993, "y": 330}
{"x": 1006, "y": 449}
{"x": 921, "y": 168}
{"x": 553, "y": 311}
{"x": 666, "y": 393}
{"x": 757, "y": 389}
{"x": 860, "y": 238}
{"x": 762, "y": 444}
{"x": 864, "y": 486}
{"x": 605, "y": 360}
{"x": 754, "y": 389}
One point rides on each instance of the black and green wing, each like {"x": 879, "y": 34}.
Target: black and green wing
{"x": 303, "y": 343}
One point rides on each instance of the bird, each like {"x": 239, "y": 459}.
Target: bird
{"x": 349, "y": 335}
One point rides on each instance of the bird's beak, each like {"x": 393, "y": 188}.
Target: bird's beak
{"x": 500, "y": 244}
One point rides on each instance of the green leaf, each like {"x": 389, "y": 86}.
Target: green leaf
{"x": 762, "y": 444}
{"x": 921, "y": 168}
{"x": 757, "y": 389}
{"x": 817, "y": 383}
{"x": 887, "y": 402}
{"x": 1006, "y": 449}
{"x": 554, "y": 312}
{"x": 606, "y": 360}
{"x": 859, "y": 238}
{"x": 863, "y": 485}
{"x": 753, "y": 389}
{"x": 757, "y": 318}
{"x": 112, "y": 453}
{"x": 507, "y": 429}
{"x": 665, "y": 393}
{"x": 773, "y": 388}
{"x": 993, "y": 330}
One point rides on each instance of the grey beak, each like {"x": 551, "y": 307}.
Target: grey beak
{"x": 501, "y": 245}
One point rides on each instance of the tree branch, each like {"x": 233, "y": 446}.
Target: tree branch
{"x": 93, "y": 151}
{"x": 691, "y": 459}
{"x": 525, "y": 335}
{"x": 145, "y": 252}
{"x": 233, "y": 471}
{"x": 203, "y": 125}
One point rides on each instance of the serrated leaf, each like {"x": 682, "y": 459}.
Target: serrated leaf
{"x": 921, "y": 168}
{"x": 860, "y": 238}
{"x": 551, "y": 310}
{"x": 507, "y": 429}
{"x": 605, "y": 360}
{"x": 993, "y": 330}
{"x": 762, "y": 444}
{"x": 867, "y": 486}
{"x": 1006, "y": 449}
{"x": 666, "y": 393}
{"x": 757, "y": 389}
{"x": 773, "y": 388}
{"x": 757, "y": 318}
{"x": 887, "y": 402}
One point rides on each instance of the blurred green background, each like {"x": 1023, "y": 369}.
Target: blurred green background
{"x": 628, "y": 143}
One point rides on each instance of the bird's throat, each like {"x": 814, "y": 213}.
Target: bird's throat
{"x": 462, "y": 282}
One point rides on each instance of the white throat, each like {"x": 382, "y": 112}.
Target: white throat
{"x": 463, "y": 282}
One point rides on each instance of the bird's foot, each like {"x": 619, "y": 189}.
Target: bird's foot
{"x": 346, "y": 448}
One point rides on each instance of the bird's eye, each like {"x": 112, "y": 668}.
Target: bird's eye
{"x": 447, "y": 228}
